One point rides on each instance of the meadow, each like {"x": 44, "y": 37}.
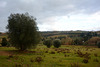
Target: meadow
{"x": 65, "y": 56}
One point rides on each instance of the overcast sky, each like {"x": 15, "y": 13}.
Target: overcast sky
{"x": 55, "y": 15}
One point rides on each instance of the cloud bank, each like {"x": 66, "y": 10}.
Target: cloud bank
{"x": 55, "y": 14}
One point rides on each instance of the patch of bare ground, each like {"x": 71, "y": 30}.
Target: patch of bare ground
{"x": 4, "y": 53}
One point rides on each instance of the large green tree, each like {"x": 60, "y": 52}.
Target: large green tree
{"x": 23, "y": 31}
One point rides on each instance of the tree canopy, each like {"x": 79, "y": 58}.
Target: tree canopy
{"x": 23, "y": 31}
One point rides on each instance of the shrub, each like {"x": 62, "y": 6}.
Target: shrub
{"x": 80, "y": 54}
{"x": 66, "y": 55}
{"x": 46, "y": 51}
{"x": 57, "y": 43}
{"x": 85, "y": 60}
{"x": 38, "y": 59}
{"x": 87, "y": 55}
{"x": 10, "y": 56}
{"x": 48, "y": 43}
{"x": 75, "y": 65}
{"x": 96, "y": 60}
{"x": 31, "y": 60}
{"x": 4, "y": 42}
{"x": 52, "y": 52}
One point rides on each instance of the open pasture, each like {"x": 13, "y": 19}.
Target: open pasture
{"x": 65, "y": 56}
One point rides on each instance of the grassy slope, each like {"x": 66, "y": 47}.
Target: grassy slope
{"x": 27, "y": 59}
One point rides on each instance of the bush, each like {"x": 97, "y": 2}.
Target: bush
{"x": 96, "y": 60}
{"x": 38, "y": 59}
{"x": 48, "y": 43}
{"x": 57, "y": 43}
{"x": 75, "y": 65}
{"x": 52, "y": 52}
{"x": 4, "y": 42}
{"x": 98, "y": 44}
{"x": 85, "y": 60}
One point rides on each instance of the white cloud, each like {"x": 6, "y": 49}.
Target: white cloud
{"x": 74, "y": 22}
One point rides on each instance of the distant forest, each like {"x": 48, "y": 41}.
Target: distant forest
{"x": 73, "y": 37}
{"x": 70, "y": 37}
{"x": 71, "y": 33}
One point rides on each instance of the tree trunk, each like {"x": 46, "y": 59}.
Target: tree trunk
{"x": 22, "y": 48}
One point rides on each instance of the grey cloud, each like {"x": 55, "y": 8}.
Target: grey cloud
{"x": 42, "y": 9}
{"x": 90, "y": 6}
{"x": 52, "y": 7}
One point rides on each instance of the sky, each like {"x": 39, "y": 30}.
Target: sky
{"x": 55, "y": 15}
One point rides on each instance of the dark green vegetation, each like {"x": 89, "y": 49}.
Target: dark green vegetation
{"x": 48, "y": 43}
{"x": 57, "y": 43}
{"x": 4, "y": 42}
{"x": 22, "y": 31}
{"x": 65, "y": 56}
{"x": 73, "y": 37}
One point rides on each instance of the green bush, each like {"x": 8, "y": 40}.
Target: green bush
{"x": 48, "y": 43}
{"x": 57, "y": 43}
{"x": 4, "y": 42}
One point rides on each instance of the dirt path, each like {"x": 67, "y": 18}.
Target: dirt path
{"x": 4, "y": 53}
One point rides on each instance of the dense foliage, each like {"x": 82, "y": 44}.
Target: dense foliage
{"x": 23, "y": 31}
{"x": 48, "y": 43}
{"x": 4, "y": 42}
{"x": 78, "y": 42}
{"x": 71, "y": 37}
{"x": 57, "y": 43}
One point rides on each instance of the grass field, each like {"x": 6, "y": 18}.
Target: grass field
{"x": 65, "y": 56}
